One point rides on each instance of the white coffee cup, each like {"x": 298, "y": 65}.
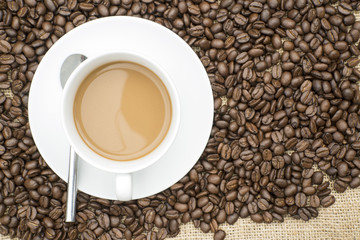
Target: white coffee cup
{"x": 123, "y": 169}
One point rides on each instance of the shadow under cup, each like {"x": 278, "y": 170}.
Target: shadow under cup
{"x": 82, "y": 143}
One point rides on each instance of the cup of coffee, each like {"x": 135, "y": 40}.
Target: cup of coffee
{"x": 121, "y": 113}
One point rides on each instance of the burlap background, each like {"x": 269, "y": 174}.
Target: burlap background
{"x": 340, "y": 221}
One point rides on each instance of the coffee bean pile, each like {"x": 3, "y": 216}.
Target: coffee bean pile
{"x": 287, "y": 105}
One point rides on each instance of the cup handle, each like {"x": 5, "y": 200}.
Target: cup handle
{"x": 124, "y": 186}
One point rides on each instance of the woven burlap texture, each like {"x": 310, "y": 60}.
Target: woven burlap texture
{"x": 340, "y": 221}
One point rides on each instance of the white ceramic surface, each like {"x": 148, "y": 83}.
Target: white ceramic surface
{"x": 168, "y": 51}
{"x": 124, "y": 169}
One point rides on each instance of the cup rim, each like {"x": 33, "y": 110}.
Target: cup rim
{"x": 81, "y": 149}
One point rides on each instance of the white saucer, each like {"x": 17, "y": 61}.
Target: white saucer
{"x": 169, "y": 51}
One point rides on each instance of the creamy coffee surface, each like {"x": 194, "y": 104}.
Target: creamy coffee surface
{"x": 122, "y": 111}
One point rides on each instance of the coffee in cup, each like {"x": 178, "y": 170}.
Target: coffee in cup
{"x": 122, "y": 110}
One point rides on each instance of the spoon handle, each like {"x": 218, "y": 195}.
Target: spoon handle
{"x": 71, "y": 194}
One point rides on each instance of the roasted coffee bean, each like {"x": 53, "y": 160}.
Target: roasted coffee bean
{"x": 278, "y": 162}
{"x": 314, "y": 201}
{"x": 5, "y": 47}
{"x": 242, "y": 38}
{"x": 253, "y": 208}
{"x": 104, "y": 221}
{"x": 263, "y": 204}
{"x": 162, "y": 234}
{"x": 33, "y": 225}
{"x": 258, "y": 218}
{"x": 300, "y": 199}
{"x": 328, "y": 201}
{"x": 355, "y": 182}
{"x": 317, "y": 177}
{"x": 219, "y": 235}
{"x": 322, "y": 152}
{"x": 342, "y": 169}
{"x": 340, "y": 186}
{"x": 30, "y": 184}
{"x": 283, "y": 75}
{"x": 172, "y": 214}
{"x": 55, "y": 213}
{"x": 7, "y": 59}
{"x": 290, "y": 190}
